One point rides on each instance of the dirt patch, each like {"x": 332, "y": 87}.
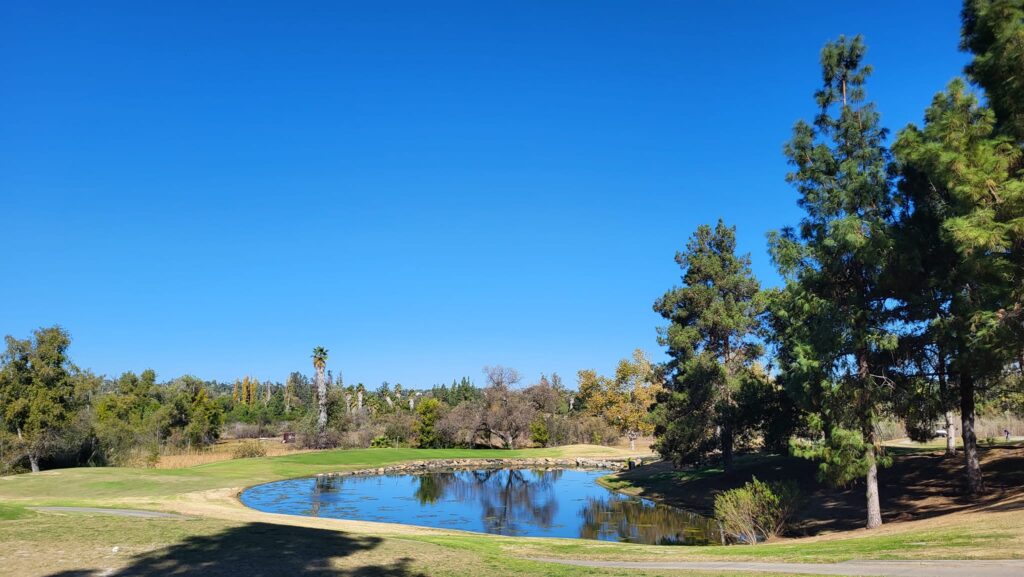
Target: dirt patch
{"x": 224, "y": 450}
{"x": 117, "y": 512}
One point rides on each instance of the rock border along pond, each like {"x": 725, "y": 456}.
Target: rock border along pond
{"x": 412, "y": 467}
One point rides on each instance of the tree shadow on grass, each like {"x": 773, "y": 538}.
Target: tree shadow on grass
{"x": 920, "y": 484}
{"x": 258, "y": 550}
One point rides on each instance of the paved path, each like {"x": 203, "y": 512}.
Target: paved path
{"x": 118, "y": 512}
{"x": 849, "y": 568}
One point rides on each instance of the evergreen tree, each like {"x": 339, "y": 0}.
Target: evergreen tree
{"x": 713, "y": 320}
{"x": 961, "y": 179}
{"x": 428, "y": 413}
{"x": 993, "y": 30}
{"x": 188, "y": 417}
{"x": 838, "y": 255}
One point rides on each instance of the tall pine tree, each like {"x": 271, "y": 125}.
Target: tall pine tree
{"x": 968, "y": 204}
{"x": 713, "y": 321}
{"x": 963, "y": 182}
{"x": 838, "y": 255}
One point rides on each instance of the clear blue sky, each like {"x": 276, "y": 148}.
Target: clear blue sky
{"x": 422, "y": 187}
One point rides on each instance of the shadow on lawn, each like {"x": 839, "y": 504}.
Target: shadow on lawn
{"x": 919, "y": 485}
{"x": 258, "y": 550}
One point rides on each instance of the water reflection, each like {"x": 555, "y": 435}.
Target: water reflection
{"x": 510, "y": 501}
{"x": 546, "y": 503}
{"x": 619, "y": 518}
{"x": 321, "y": 487}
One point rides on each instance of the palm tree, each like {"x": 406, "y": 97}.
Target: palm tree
{"x": 320, "y": 363}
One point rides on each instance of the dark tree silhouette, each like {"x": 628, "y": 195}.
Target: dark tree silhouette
{"x": 259, "y": 550}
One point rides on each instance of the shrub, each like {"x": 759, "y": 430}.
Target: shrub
{"x": 735, "y": 510}
{"x": 248, "y": 450}
{"x": 360, "y": 439}
{"x": 756, "y": 510}
{"x": 307, "y": 436}
{"x": 144, "y": 457}
{"x": 381, "y": 442}
{"x": 243, "y": 431}
{"x": 398, "y": 428}
{"x": 539, "y": 433}
{"x": 593, "y": 430}
{"x": 428, "y": 413}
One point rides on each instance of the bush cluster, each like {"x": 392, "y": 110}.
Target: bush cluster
{"x": 248, "y": 450}
{"x": 757, "y": 510}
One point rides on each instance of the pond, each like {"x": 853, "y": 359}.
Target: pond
{"x": 519, "y": 502}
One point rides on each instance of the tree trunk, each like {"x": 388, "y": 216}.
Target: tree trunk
{"x": 632, "y": 441}
{"x": 874, "y": 508}
{"x": 944, "y": 396}
{"x": 727, "y": 439}
{"x": 868, "y": 430}
{"x": 975, "y": 483}
{"x": 321, "y": 418}
{"x": 950, "y": 434}
{"x": 33, "y": 461}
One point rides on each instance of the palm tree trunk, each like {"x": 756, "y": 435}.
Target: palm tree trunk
{"x": 321, "y": 419}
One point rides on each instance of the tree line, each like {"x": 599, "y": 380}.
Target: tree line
{"x": 54, "y": 414}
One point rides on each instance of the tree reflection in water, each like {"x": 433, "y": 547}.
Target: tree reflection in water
{"x": 620, "y": 518}
{"x": 505, "y": 502}
{"x": 509, "y": 498}
{"x": 322, "y": 485}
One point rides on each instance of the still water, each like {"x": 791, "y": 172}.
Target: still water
{"x": 521, "y": 502}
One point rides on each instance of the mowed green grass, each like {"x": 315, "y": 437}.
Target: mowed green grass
{"x": 46, "y": 544}
{"x": 50, "y": 544}
{"x": 40, "y": 543}
{"x": 948, "y": 543}
{"x": 11, "y": 512}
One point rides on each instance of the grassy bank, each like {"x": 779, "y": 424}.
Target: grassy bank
{"x": 224, "y": 538}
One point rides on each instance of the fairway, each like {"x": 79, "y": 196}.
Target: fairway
{"x": 223, "y": 537}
